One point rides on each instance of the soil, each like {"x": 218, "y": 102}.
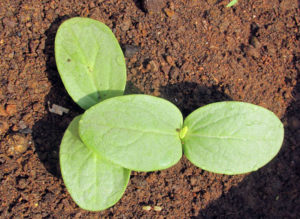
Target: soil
{"x": 191, "y": 52}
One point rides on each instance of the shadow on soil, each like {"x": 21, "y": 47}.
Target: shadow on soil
{"x": 188, "y": 96}
{"x": 139, "y": 4}
{"x": 273, "y": 191}
{"x": 48, "y": 132}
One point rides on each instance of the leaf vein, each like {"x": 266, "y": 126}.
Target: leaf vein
{"x": 216, "y": 121}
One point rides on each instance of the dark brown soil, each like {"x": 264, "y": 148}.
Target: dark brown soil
{"x": 191, "y": 52}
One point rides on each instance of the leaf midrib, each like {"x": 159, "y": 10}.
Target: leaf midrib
{"x": 92, "y": 78}
{"x": 225, "y": 137}
{"x": 143, "y": 131}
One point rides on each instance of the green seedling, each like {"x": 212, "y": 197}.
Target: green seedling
{"x": 90, "y": 61}
{"x": 232, "y": 3}
{"x": 142, "y": 132}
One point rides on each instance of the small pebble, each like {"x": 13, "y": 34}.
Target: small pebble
{"x": 21, "y": 148}
{"x": 130, "y": 50}
{"x": 147, "y": 208}
{"x": 59, "y": 110}
{"x": 169, "y": 12}
{"x": 125, "y": 25}
{"x": 157, "y": 208}
{"x": 253, "y": 52}
{"x": 22, "y": 183}
{"x": 15, "y": 128}
{"x": 25, "y": 131}
{"x": 11, "y": 109}
{"x": 9, "y": 23}
{"x": 2, "y": 111}
{"x": 255, "y": 42}
{"x": 20, "y": 143}
{"x": 166, "y": 69}
{"x": 170, "y": 60}
{"x": 22, "y": 125}
{"x": 193, "y": 180}
{"x": 29, "y": 24}
{"x": 153, "y": 66}
{"x": 3, "y": 127}
{"x": 153, "y": 6}
{"x": 174, "y": 73}
{"x": 92, "y": 5}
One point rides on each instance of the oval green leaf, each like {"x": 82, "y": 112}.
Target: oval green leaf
{"x": 93, "y": 182}
{"x": 138, "y": 132}
{"x": 90, "y": 61}
{"x": 232, "y": 137}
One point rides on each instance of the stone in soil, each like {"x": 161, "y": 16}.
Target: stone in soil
{"x": 59, "y": 110}
{"x": 3, "y": 127}
{"x": 153, "y": 6}
{"x": 130, "y": 50}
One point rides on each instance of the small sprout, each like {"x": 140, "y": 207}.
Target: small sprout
{"x": 232, "y": 3}
{"x": 157, "y": 208}
{"x": 147, "y": 208}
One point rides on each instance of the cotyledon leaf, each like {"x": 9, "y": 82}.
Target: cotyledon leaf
{"x": 90, "y": 61}
{"x": 138, "y": 132}
{"x": 232, "y": 137}
{"x": 93, "y": 182}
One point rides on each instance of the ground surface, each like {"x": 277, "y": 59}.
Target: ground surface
{"x": 191, "y": 52}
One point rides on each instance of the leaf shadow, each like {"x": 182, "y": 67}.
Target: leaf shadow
{"x": 139, "y": 4}
{"x": 48, "y": 131}
{"x": 189, "y": 96}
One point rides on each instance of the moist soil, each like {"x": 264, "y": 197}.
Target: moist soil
{"x": 191, "y": 52}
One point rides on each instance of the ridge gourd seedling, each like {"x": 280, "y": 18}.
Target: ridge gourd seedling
{"x": 141, "y": 132}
